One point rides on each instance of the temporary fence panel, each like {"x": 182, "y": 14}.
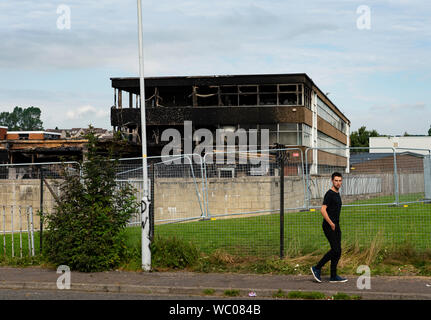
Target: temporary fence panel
{"x": 177, "y": 186}
{"x": 242, "y": 202}
{"x": 374, "y": 210}
{"x": 18, "y": 231}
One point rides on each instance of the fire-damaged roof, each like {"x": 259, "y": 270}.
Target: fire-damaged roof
{"x": 131, "y": 84}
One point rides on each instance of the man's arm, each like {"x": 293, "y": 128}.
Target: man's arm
{"x": 326, "y": 217}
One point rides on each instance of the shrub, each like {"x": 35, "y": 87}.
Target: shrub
{"x": 173, "y": 253}
{"x": 85, "y": 228}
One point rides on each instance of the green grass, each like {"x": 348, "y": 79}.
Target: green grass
{"x": 6, "y": 245}
{"x": 259, "y": 235}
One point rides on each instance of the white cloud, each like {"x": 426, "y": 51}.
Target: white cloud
{"x": 87, "y": 112}
{"x": 202, "y": 37}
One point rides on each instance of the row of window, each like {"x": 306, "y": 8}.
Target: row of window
{"x": 330, "y": 116}
{"x": 325, "y": 141}
{"x": 295, "y": 134}
{"x": 229, "y": 95}
{"x": 289, "y": 134}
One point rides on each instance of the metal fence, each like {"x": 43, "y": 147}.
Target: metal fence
{"x": 259, "y": 203}
{"x": 27, "y": 192}
{"x": 385, "y": 200}
{"x": 18, "y": 231}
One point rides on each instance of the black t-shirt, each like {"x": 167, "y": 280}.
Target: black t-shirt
{"x": 333, "y": 202}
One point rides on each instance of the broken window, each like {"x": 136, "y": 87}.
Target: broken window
{"x": 229, "y": 100}
{"x": 288, "y": 88}
{"x": 229, "y": 96}
{"x": 268, "y": 88}
{"x": 307, "y": 97}
{"x": 207, "y": 96}
{"x": 268, "y": 99}
{"x": 288, "y": 99}
{"x": 248, "y": 89}
{"x": 268, "y": 94}
{"x": 175, "y": 96}
{"x": 228, "y": 89}
{"x": 248, "y": 95}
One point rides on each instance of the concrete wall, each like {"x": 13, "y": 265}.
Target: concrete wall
{"x": 177, "y": 198}
{"x": 24, "y": 193}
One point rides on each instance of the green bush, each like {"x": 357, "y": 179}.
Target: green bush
{"x": 85, "y": 229}
{"x": 172, "y": 252}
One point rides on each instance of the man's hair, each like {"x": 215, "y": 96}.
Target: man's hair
{"x": 336, "y": 174}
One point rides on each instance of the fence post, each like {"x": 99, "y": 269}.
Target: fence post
{"x": 153, "y": 176}
{"x": 307, "y": 177}
{"x": 4, "y": 230}
{"x": 397, "y": 191}
{"x": 11, "y": 226}
{"x": 281, "y": 157}
{"x": 28, "y": 231}
{"x": 207, "y": 214}
{"x": 32, "y": 231}
{"x": 281, "y": 209}
{"x": 41, "y": 209}
{"x": 20, "y": 232}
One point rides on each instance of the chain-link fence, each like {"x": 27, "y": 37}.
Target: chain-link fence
{"x": 257, "y": 203}
{"x": 384, "y": 200}
{"x": 383, "y": 196}
{"x": 27, "y": 192}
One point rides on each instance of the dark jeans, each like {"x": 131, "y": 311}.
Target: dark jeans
{"x": 334, "y": 238}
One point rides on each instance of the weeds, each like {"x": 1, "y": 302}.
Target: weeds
{"x": 231, "y": 293}
{"x": 279, "y": 294}
{"x": 313, "y": 295}
{"x": 208, "y": 292}
{"x": 344, "y": 296}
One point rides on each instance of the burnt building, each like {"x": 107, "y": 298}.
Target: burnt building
{"x": 296, "y": 112}
{"x": 37, "y": 146}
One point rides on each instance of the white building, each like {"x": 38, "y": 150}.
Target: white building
{"x": 408, "y": 143}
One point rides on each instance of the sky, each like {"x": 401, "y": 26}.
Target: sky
{"x": 371, "y": 56}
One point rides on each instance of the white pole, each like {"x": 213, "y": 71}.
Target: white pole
{"x": 145, "y": 203}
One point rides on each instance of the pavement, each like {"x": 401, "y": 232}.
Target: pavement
{"x": 193, "y": 284}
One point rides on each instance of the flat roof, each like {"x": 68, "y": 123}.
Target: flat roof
{"x": 28, "y": 132}
{"x": 130, "y": 84}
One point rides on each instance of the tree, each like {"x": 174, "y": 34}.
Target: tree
{"x": 86, "y": 226}
{"x": 429, "y": 131}
{"x": 27, "y": 119}
{"x": 361, "y": 138}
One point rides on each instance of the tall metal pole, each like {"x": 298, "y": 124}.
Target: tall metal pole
{"x": 145, "y": 203}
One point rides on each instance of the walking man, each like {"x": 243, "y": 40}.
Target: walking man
{"x": 330, "y": 210}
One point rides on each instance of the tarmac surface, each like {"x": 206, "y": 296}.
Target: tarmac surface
{"x": 189, "y": 284}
